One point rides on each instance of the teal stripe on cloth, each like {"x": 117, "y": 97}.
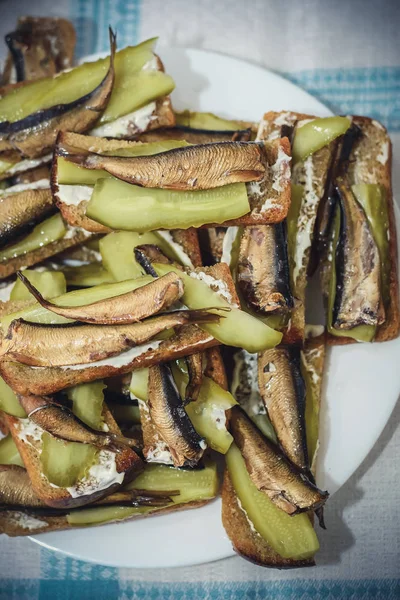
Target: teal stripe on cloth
{"x": 92, "y": 18}
{"x": 372, "y": 92}
{"x": 374, "y": 589}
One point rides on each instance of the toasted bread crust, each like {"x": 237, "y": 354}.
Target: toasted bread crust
{"x": 126, "y": 461}
{"x": 11, "y": 525}
{"x": 246, "y": 542}
{"x": 280, "y": 201}
{"x": 54, "y": 41}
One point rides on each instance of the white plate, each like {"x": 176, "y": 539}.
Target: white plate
{"x": 361, "y": 389}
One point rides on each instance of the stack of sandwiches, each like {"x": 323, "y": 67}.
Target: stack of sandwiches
{"x": 154, "y": 268}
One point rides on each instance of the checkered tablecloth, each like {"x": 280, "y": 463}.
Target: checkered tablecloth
{"x": 347, "y": 53}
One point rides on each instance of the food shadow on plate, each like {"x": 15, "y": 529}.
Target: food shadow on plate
{"x": 338, "y": 538}
{"x": 186, "y": 77}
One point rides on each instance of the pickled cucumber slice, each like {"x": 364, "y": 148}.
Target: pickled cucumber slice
{"x": 316, "y": 134}
{"x": 135, "y": 91}
{"x": 71, "y": 174}
{"x": 193, "y": 485}
{"x": 49, "y": 284}
{"x": 144, "y": 209}
{"x": 372, "y": 198}
{"x": 9, "y": 454}
{"x": 204, "y": 120}
{"x": 9, "y": 402}
{"x": 291, "y": 537}
{"x": 87, "y": 403}
{"x": 87, "y": 275}
{"x": 236, "y": 327}
{"x": 102, "y": 514}
{"x": 139, "y": 383}
{"x": 71, "y": 85}
{"x": 48, "y": 231}
{"x": 38, "y": 314}
{"x": 207, "y": 413}
{"x": 65, "y": 463}
{"x": 117, "y": 252}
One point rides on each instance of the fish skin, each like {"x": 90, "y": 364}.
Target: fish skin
{"x": 16, "y": 487}
{"x": 194, "y": 136}
{"x": 283, "y": 392}
{"x": 200, "y": 167}
{"x": 71, "y": 344}
{"x": 60, "y": 421}
{"x": 170, "y": 418}
{"x": 263, "y": 269}
{"x": 194, "y": 364}
{"x": 270, "y": 471}
{"x": 147, "y": 254}
{"x": 34, "y": 135}
{"x": 127, "y": 308}
{"x": 21, "y": 211}
{"x": 343, "y": 147}
{"x": 358, "y": 299}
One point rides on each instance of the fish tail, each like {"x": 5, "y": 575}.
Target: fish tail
{"x": 320, "y": 516}
{"x": 75, "y": 155}
{"x": 35, "y": 292}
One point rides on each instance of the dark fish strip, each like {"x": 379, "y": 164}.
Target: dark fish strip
{"x": 127, "y": 308}
{"x": 263, "y": 269}
{"x": 200, "y": 167}
{"x": 283, "y": 392}
{"x": 63, "y": 345}
{"x": 358, "y": 299}
{"x": 170, "y": 418}
{"x": 194, "y": 364}
{"x": 194, "y": 136}
{"x": 21, "y": 211}
{"x": 15, "y": 45}
{"x": 270, "y": 471}
{"x": 326, "y": 207}
{"x": 147, "y": 254}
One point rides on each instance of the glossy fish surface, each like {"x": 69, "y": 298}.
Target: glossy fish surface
{"x": 170, "y": 418}
{"x": 270, "y": 471}
{"x": 263, "y": 269}
{"x": 21, "y": 211}
{"x": 200, "y": 167}
{"x": 358, "y": 299}
{"x": 125, "y": 309}
{"x": 283, "y": 392}
{"x": 63, "y": 345}
{"x": 61, "y": 422}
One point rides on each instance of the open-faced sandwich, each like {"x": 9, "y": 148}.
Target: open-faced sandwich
{"x": 154, "y": 272}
